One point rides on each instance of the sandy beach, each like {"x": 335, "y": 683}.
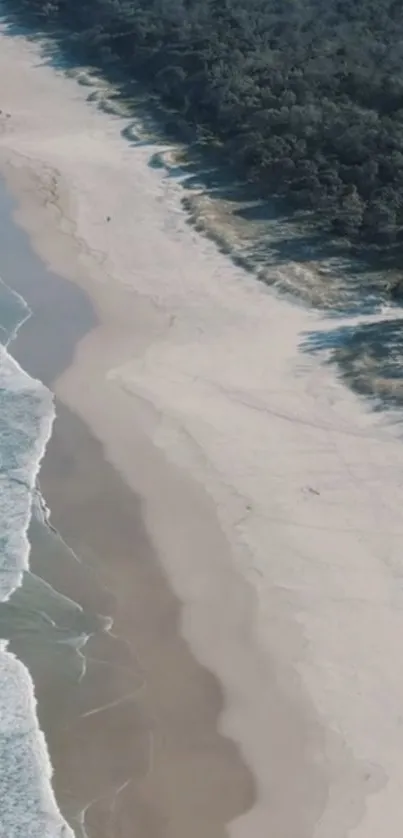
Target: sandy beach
{"x": 237, "y": 511}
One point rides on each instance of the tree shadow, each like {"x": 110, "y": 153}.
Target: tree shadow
{"x": 368, "y": 357}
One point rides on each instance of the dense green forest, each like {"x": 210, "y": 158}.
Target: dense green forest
{"x": 304, "y": 97}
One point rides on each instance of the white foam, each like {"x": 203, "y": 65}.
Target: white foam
{"x": 28, "y": 806}
{"x": 26, "y": 419}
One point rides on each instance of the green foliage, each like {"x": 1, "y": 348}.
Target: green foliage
{"x": 305, "y": 97}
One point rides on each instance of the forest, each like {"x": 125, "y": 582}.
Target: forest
{"x": 303, "y": 97}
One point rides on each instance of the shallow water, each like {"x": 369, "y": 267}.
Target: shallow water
{"x": 28, "y": 607}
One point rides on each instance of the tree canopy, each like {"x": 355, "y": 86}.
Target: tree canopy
{"x": 305, "y": 97}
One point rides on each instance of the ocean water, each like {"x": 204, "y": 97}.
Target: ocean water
{"x": 27, "y": 805}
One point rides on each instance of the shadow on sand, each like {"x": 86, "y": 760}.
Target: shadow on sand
{"x": 368, "y": 357}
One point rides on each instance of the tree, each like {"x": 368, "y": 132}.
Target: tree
{"x": 304, "y": 98}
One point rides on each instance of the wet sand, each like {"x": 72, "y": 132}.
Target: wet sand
{"x": 159, "y": 744}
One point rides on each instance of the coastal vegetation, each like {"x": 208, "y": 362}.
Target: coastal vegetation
{"x": 303, "y": 97}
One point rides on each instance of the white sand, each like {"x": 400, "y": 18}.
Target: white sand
{"x": 298, "y": 609}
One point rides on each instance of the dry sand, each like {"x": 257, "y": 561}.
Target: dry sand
{"x": 272, "y": 496}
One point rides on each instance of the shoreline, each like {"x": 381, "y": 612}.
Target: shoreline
{"x": 33, "y": 349}
{"x": 259, "y": 475}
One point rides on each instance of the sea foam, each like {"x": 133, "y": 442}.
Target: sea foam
{"x": 27, "y": 805}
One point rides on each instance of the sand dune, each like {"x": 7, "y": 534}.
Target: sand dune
{"x": 273, "y": 496}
